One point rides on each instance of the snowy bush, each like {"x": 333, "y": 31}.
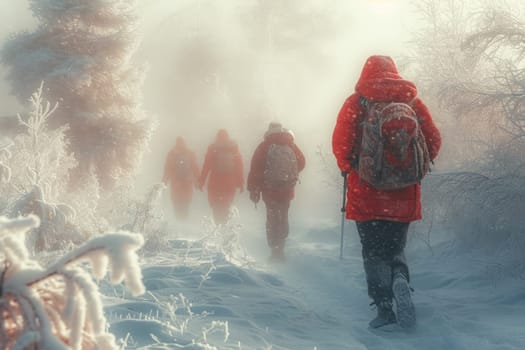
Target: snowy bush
{"x": 476, "y": 75}
{"x": 224, "y": 239}
{"x": 56, "y": 230}
{"x": 85, "y": 200}
{"x": 5, "y": 155}
{"x": 124, "y": 209}
{"x": 39, "y": 167}
{"x": 58, "y": 306}
{"x": 39, "y": 155}
{"x": 82, "y": 50}
{"x": 5, "y": 171}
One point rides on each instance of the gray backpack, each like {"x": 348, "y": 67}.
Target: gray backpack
{"x": 281, "y": 171}
{"x": 393, "y": 152}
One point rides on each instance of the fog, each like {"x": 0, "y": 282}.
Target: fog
{"x": 237, "y": 66}
{"x": 14, "y": 16}
{"x": 241, "y": 64}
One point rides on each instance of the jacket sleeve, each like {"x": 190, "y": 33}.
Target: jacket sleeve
{"x": 257, "y": 164}
{"x": 168, "y": 166}
{"x": 345, "y": 132}
{"x": 429, "y": 129}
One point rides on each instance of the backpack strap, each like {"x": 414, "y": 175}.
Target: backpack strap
{"x": 354, "y": 154}
{"x": 363, "y": 101}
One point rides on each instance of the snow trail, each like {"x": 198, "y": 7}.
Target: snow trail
{"x": 313, "y": 300}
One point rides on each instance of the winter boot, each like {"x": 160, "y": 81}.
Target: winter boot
{"x": 406, "y": 313}
{"x": 385, "y": 315}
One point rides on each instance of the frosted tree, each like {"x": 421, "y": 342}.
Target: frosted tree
{"x": 82, "y": 50}
{"x": 5, "y": 155}
{"x": 39, "y": 165}
{"x": 59, "y": 306}
{"x": 476, "y": 73}
{"x": 56, "y": 229}
{"x": 136, "y": 213}
{"x": 41, "y": 154}
{"x": 5, "y": 170}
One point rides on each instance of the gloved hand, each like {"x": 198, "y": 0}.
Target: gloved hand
{"x": 255, "y": 196}
{"x": 344, "y": 173}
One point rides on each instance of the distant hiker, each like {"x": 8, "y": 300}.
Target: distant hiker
{"x": 223, "y": 162}
{"x": 383, "y": 141}
{"x": 181, "y": 173}
{"x": 274, "y": 171}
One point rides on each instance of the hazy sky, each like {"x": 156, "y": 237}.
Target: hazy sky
{"x": 304, "y": 95}
{"x": 300, "y": 76}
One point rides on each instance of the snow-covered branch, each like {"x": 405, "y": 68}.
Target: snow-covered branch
{"x": 5, "y": 155}
{"x": 48, "y": 307}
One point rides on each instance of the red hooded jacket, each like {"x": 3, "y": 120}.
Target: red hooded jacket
{"x": 258, "y": 164}
{"x": 222, "y": 186}
{"x": 181, "y": 188}
{"x": 379, "y": 81}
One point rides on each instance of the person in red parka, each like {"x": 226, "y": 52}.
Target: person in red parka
{"x": 223, "y": 164}
{"x": 382, "y": 217}
{"x": 274, "y": 171}
{"x": 181, "y": 173}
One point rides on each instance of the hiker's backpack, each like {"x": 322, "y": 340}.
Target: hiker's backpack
{"x": 224, "y": 161}
{"x": 393, "y": 152}
{"x": 281, "y": 171}
{"x": 182, "y": 166}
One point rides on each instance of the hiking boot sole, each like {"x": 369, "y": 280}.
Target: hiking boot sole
{"x": 377, "y": 324}
{"x": 406, "y": 312}
{"x": 388, "y": 328}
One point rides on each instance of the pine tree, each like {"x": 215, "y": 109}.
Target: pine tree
{"x": 82, "y": 51}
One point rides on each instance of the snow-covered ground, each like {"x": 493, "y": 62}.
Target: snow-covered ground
{"x": 199, "y": 299}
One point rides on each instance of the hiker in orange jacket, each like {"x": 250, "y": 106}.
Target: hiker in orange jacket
{"x": 181, "y": 173}
{"x": 223, "y": 163}
{"x": 274, "y": 171}
{"x": 382, "y": 216}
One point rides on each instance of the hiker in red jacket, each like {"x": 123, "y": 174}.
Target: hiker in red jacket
{"x": 181, "y": 173}
{"x": 274, "y": 171}
{"x": 382, "y": 216}
{"x": 223, "y": 163}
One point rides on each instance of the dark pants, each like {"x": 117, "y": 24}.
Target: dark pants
{"x": 383, "y": 243}
{"x": 276, "y": 222}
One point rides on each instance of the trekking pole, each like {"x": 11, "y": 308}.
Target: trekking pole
{"x": 343, "y": 211}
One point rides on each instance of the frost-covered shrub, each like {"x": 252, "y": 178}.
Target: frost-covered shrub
{"x": 124, "y": 209}
{"x": 82, "y": 50}
{"x": 483, "y": 212}
{"x": 56, "y": 230}
{"x": 39, "y": 156}
{"x": 59, "y": 306}
{"x": 5, "y": 155}
{"x": 146, "y": 213}
{"x": 85, "y": 200}
{"x": 224, "y": 239}
{"x": 39, "y": 165}
{"x": 5, "y": 171}
{"x": 475, "y": 74}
